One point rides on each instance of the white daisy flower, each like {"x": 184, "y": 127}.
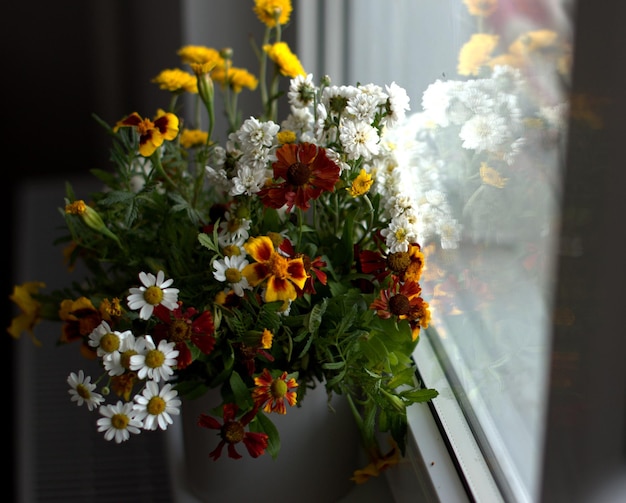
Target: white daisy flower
{"x": 218, "y": 178}
{"x": 229, "y": 270}
{"x": 118, "y": 362}
{"x": 362, "y": 107}
{"x": 359, "y": 140}
{"x": 118, "y": 421}
{"x": 398, "y": 104}
{"x": 249, "y": 179}
{"x": 81, "y": 390}
{"x": 233, "y": 230}
{"x": 335, "y": 98}
{"x": 154, "y": 407}
{"x": 301, "y": 91}
{"x": 300, "y": 121}
{"x": 450, "y": 231}
{"x": 105, "y": 340}
{"x": 484, "y": 132}
{"x": 155, "y": 363}
{"x": 155, "y": 291}
{"x": 436, "y": 100}
{"x": 254, "y": 134}
{"x": 400, "y": 234}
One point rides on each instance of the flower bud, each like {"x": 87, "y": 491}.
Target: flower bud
{"x": 90, "y": 216}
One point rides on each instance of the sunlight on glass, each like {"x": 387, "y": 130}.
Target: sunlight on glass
{"x": 488, "y": 133}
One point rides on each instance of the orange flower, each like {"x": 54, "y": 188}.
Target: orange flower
{"x": 271, "y": 393}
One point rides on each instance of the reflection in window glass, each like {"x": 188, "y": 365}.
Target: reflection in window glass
{"x": 488, "y": 124}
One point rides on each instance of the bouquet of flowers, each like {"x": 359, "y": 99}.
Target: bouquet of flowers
{"x": 286, "y": 257}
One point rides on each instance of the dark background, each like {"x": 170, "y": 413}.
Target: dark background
{"x": 64, "y": 61}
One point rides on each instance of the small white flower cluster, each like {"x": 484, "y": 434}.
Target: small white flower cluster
{"x": 352, "y": 117}
{"x": 350, "y": 122}
{"x": 123, "y": 351}
{"x": 487, "y": 111}
{"x": 409, "y": 180}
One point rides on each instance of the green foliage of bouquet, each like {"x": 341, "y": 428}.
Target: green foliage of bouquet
{"x": 263, "y": 266}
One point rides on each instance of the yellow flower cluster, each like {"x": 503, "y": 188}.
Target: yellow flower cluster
{"x": 273, "y": 12}
{"x": 287, "y": 61}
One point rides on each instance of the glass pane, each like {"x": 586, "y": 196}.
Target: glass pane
{"x": 487, "y": 81}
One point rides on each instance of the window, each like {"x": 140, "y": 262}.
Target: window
{"x": 496, "y": 279}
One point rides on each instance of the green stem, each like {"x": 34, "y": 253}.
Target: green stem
{"x": 262, "y": 55}
{"x": 368, "y": 443}
{"x": 156, "y": 162}
{"x": 370, "y": 213}
{"x": 173, "y": 101}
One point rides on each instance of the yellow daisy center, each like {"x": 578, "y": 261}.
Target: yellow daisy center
{"x": 233, "y": 275}
{"x": 110, "y": 342}
{"x": 156, "y": 405}
{"x": 155, "y": 358}
{"x": 119, "y": 421}
{"x": 153, "y": 295}
{"x": 125, "y": 358}
{"x": 83, "y": 391}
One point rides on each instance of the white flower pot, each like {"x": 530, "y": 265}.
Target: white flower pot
{"x": 319, "y": 453}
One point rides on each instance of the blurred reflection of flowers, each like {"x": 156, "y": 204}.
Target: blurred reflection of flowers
{"x": 486, "y": 153}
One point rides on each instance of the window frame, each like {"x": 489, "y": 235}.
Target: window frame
{"x": 587, "y": 458}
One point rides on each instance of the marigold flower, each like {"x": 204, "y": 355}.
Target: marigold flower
{"x": 151, "y": 133}
{"x": 81, "y": 318}
{"x": 190, "y": 138}
{"x": 176, "y": 80}
{"x": 236, "y": 78}
{"x": 272, "y": 12}
{"x": 476, "y": 53}
{"x": 281, "y": 274}
{"x": 288, "y": 63}
{"x": 199, "y": 54}
{"x": 378, "y": 464}
{"x": 361, "y": 184}
{"x": 286, "y": 137}
{"x": 30, "y": 308}
{"x": 313, "y": 267}
{"x": 481, "y": 8}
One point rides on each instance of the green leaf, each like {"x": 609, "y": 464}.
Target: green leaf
{"x": 419, "y": 395}
{"x": 240, "y": 391}
{"x": 263, "y": 424}
{"x": 314, "y": 318}
{"x": 334, "y": 365}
